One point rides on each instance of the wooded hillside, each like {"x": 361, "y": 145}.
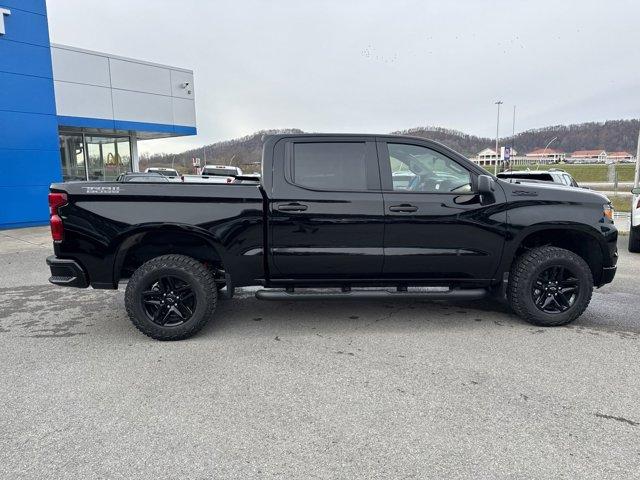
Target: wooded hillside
{"x": 612, "y": 135}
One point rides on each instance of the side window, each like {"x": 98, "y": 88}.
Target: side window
{"x": 568, "y": 180}
{"x": 420, "y": 169}
{"x": 330, "y": 166}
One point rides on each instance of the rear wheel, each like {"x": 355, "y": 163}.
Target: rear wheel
{"x": 634, "y": 239}
{"x": 171, "y": 297}
{"x": 550, "y": 286}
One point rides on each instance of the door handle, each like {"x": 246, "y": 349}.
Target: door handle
{"x": 405, "y": 207}
{"x": 292, "y": 207}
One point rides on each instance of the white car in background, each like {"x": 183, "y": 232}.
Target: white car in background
{"x": 634, "y": 231}
{"x": 221, "y": 171}
{"x": 214, "y": 174}
{"x": 170, "y": 173}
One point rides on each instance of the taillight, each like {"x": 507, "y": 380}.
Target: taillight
{"x": 229, "y": 179}
{"x": 56, "y": 200}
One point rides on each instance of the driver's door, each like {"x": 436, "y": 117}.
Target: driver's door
{"x": 435, "y": 225}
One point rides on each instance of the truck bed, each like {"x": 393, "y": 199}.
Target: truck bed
{"x": 104, "y": 220}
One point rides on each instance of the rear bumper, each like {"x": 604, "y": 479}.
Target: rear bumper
{"x": 66, "y": 273}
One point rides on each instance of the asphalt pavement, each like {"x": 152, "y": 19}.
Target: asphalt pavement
{"x": 342, "y": 389}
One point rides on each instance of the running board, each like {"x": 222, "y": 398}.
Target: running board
{"x": 428, "y": 294}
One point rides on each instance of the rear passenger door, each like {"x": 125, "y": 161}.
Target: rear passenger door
{"x": 326, "y": 214}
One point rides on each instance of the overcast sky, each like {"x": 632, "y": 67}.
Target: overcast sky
{"x": 375, "y": 66}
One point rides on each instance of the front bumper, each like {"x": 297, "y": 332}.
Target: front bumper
{"x": 66, "y": 273}
{"x": 607, "y": 275}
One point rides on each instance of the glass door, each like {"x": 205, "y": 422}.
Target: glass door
{"x": 108, "y": 157}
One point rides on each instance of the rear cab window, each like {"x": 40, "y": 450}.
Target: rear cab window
{"x": 334, "y": 166}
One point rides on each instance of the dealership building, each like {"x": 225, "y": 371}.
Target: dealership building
{"x": 71, "y": 114}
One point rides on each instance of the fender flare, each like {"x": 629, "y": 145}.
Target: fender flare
{"x": 511, "y": 247}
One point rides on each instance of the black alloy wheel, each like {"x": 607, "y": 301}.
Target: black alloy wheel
{"x": 555, "y": 290}
{"x": 169, "y": 301}
{"x": 549, "y": 286}
{"x": 171, "y": 297}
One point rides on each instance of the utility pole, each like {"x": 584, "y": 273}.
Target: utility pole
{"x": 204, "y": 156}
{"x": 498, "y": 103}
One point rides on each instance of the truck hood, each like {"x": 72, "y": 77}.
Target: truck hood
{"x": 552, "y": 191}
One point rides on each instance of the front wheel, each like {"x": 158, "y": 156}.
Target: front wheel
{"x": 549, "y": 286}
{"x": 171, "y": 297}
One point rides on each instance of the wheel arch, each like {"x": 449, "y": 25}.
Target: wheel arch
{"x": 153, "y": 240}
{"x": 582, "y": 240}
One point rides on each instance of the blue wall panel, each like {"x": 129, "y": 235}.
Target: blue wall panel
{"x": 34, "y": 6}
{"x": 21, "y": 93}
{"x": 24, "y": 58}
{"x": 33, "y": 165}
{"x": 27, "y": 27}
{"x": 24, "y": 205}
{"x": 28, "y": 131}
{"x": 29, "y": 155}
{"x": 122, "y": 125}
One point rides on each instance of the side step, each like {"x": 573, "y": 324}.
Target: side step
{"x": 424, "y": 293}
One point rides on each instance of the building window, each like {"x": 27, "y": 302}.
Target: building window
{"x": 107, "y": 157}
{"x": 94, "y": 157}
{"x": 72, "y": 157}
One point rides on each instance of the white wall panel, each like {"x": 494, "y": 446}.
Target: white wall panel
{"x": 87, "y": 101}
{"x": 184, "y": 112}
{"x": 96, "y": 85}
{"x": 139, "y": 77}
{"x": 80, "y": 67}
{"x": 142, "y": 107}
{"x": 178, "y": 80}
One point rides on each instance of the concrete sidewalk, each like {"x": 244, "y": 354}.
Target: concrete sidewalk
{"x": 25, "y": 239}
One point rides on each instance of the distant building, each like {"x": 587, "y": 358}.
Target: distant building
{"x": 488, "y": 156}
{"x": 619, "y": 156}
{"x": 546, "y": 153}
{"x": 586, "y": 155}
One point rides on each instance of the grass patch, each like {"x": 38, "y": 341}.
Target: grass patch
{"x": 621, "y": 203}
{"x": 589, "y": 173}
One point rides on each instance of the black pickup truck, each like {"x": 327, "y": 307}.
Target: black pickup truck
{"x": 327, "y": 219}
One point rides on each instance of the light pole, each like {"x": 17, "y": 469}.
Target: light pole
{"x": 498, "y": 103}
{"x": 636, "y": 181}
{"x": 513, "y": 126}
{"x": 545, "y": 148}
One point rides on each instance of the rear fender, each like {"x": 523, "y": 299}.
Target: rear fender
{"x": 131, "y": 238}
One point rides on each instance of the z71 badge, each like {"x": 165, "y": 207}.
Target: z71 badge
{"x": 103, "y": 190}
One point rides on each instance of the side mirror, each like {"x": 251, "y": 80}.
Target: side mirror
{"x": 486, "y": 185}
{"x": 636, "y": 191}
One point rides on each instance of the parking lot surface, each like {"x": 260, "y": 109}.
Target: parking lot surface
{"x": 346, "y": 389}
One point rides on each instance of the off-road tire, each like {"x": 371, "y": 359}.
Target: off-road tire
{"x": 634, "y": 239}
{"x": 187, "y": 269}
{"x": 525, "y": 271}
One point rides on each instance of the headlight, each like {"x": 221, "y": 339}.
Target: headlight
{"x": 607, "y": 211}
